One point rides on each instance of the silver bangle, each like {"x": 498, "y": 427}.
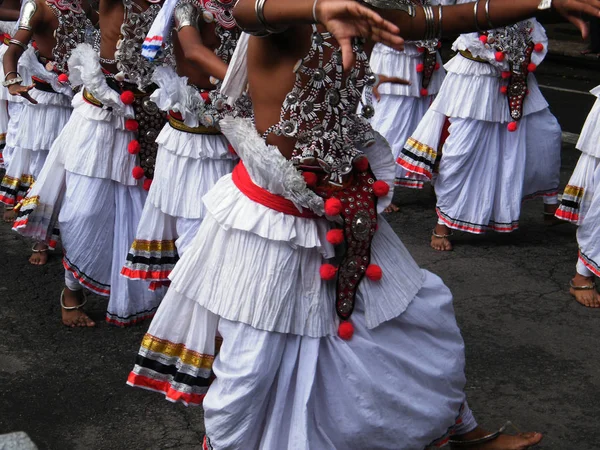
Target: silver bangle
{"x": 487, "y": 15}
{"x": 259, "y": 8}
{"x": 440, "y": 17}
{"x": 475, "y": 10}
{"x": 12, "y": 71}
{"x": 314, "y": 12}
{"x": 16, "y": 80}
{"x": 429, "y": 23}
{"x": 19, "y": 43}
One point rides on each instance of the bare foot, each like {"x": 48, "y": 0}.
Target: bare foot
{"x": 584, "y": 291}
{"x": 391, "y": 209}
{"x": 520, "y": 441}
{"x": 74, "y": 317}
{"x": 9, "y": 215}
{"x": 549, "y": 215}
{"x": 40, "y": 254}
{"x": 439, "y": 238}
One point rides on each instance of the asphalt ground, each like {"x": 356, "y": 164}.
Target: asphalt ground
{"x": 532, "y": 351}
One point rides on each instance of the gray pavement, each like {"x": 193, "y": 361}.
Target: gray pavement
{"x": 532, "y": 352}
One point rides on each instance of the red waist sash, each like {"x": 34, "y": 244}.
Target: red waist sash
{"x": 244, "y": 183}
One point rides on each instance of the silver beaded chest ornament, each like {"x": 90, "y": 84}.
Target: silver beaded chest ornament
{"x": 135, "y": 74}
{"x": 320, "y": 113}
{"x": 514, "y": 45}
{"x": 74, "y": 28}
{"x": 428, "y": 48}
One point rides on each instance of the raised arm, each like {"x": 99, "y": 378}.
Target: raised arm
{"x": 31, "y": 18}
{"x": 350, "y": 18}
{"x": 186, "y": 25}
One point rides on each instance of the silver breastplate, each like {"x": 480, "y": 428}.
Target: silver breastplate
{"x": 74, "y": 28}
{"x": 514, "y": 41}
{"x": 128, "y": 56}
{"x": 320, "y": 111}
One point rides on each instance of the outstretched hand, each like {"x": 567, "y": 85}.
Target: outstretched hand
{"x": 385, "y": 79}
{"x": 347, "y": 19}
{"x": 573, "y": 10}
{"x": 22, "y": 91}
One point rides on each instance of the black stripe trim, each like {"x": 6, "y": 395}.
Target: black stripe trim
{"x": 178, "y": 377}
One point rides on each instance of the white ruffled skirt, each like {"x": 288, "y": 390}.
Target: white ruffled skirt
{"x": 187, "y": 166}
{"x": 30, "y": 140}
{"x": 485, "y": 171}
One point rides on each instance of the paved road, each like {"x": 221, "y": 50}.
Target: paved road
{"x": 532, "y": 352}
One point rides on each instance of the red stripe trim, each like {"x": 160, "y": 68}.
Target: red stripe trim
{"x": 412, "y": 168}
{"x": 244, "y": 183}
{"x": 128, "y": 322}
{"x": 567, "y": 215}
{"x": 165, "y": 387}
{"x": 477, "y": 229}
{"x": 10, "y": 201}
{"x": 590, "y": 267}
{"x": 157, "y": 275}
{"x": 83, "y": 281}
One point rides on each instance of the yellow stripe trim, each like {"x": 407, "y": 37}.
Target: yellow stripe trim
{"x": 153, "y": 246}
{"x": 171, "y": 349}
{"x": 412, "y": 143}
{"x": 575, "y": 191}
{"x": 179, "y": 125}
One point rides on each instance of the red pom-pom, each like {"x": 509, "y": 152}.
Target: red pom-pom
{"x": 333, "y": 206}
{"x": 361, "y": 164}
{"x": 34, "y": 45}
{"x": 483, "y": 38}
{"x": 131, "y": 125}
{"x": 147, "y": 184}
{"x": 327, "y": 272}
{"x": 420, "y": 49}
{"x": 374, "y": 272}
{"x": 310, "y": 178}
{"x": 346, "y": 330}
{"x": 137, "y": 172}
{"x": 133, "y": 147}
{"x": 127, "y": 97}
{"x": 381, "y": 188}
{"x": 63, "y": 78}
{"x": 512, "y": 127}
{"x": 205, "y": 96}
{"x": 506, "y": 75}
{"x": 420, "y": 67}
{"x": 531, "y": 67}
{"x": 335, "y": 236}
{"x": 437, "y": 66}
{"x": 503, "y": 89}
{"x": 499, "y": 56}
{"x": 424, "y": 92}
{"x": 539, "y": 47}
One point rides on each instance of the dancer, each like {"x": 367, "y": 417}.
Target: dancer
{"x": 320, "y": 352}
{"x": 491, "y": 133}
{"x": 50, "y": 23}
{"x": 9, "y": 15}
{"x": 401, "y": 107}
{"x": 192, "y": 153}
{"x": 581, "y": 205}
{"x": 91, "y": 184}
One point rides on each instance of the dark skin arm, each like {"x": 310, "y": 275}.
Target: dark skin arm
{"x": 346, "y": 19}
{"x": 201, "y": 56}
{"x": 9, "y": 15}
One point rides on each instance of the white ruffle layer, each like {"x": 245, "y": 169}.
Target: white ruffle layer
{"x": 240, "y": 242}
{"x": 94, "y": 143}
{"x": 471, "y": 43}
{"x": 175, "y": 94}
{"x": 180, "y": 180}
{"x": 40, "y": 124}
{"x": 390, "y": 62}
{"x": 589, "y": 140}
{"x": 471, "y": 90}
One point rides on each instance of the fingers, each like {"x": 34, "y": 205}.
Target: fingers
{"x": 348, "y": 56}
{"x": 581, "y": 25}
{"x": 28, "y": 97}
{"x": 376, "y": 94}
{"x": 397, "y": 80}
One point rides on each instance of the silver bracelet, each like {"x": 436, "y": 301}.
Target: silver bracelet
{"x": 475, "y": 10}
{"x": 16, "y": 80}
{"x": 487, "y": 15}
{"x": 259, "y": 8}
{"x": 12, "y": 71}
{"x": 19, "y": 43}
{"x": 314, "y": 12}
{"x": 430, "y": 32}
{"x": 440, "y": 17}
{"x": 544, "y": 5}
